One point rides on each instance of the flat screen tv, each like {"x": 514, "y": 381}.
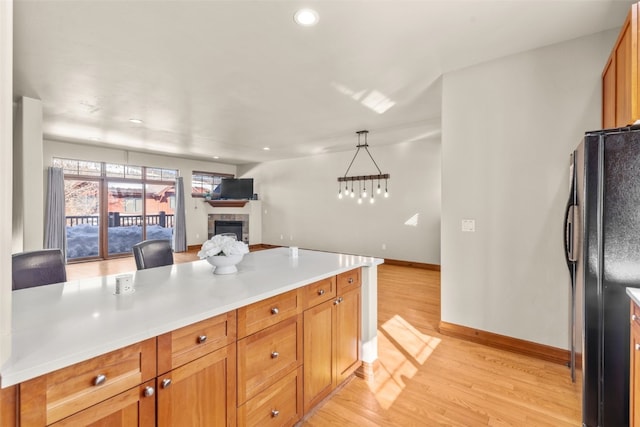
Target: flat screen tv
{"x": 236, "y": 188}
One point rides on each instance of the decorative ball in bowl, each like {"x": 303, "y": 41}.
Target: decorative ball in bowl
{"x": 224, "y": 252}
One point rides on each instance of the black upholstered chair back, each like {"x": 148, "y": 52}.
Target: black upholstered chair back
{"x": 152, "y": 253}
{"x": 37, "y": 268}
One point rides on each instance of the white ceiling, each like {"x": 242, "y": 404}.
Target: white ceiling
{"x": 227, "y": 78}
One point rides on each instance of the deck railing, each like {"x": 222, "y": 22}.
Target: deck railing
{"x": 116, "y": 219}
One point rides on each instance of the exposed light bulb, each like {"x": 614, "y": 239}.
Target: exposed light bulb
{"x": 371, "y": 199}
{"x": 379, "y": 190}
{"x": 339, "y": 194}
{"x": 359, "y": 200}
{"x": 386, "y": 194}
{"x": 352, "y": 193}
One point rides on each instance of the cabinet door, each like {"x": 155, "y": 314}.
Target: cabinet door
{"x": 347, "y": 331}
{"x": 319, "y": 353}
{"x": 200, "y": 393}
{"x": 634, "y": 381}
{"x": 135, "y": 407}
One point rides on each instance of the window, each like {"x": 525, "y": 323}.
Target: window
{"x": 206, "y": 182}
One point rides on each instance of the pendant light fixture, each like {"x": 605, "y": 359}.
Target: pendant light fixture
{"x": 363, "y": 179}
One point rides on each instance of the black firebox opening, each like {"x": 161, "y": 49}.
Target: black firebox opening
{"x": 229, "y": 227}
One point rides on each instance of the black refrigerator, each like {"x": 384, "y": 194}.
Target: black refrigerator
{"x": 602, "y": 246}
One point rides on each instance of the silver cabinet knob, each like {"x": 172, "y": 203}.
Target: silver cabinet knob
{"x": 275, "y": 413}
{"x": 321, "y": 292}
{"x": 338, "y": 301}
{"x": 202, "y": 339}
{"x": 274, "y": 354}
{"x": 148, "y": 391}
{"x": 275, "y": 310}
{"x": 100, "y": 379}
{"x": 166, "y": 382}
{"x": 637, "y": 347}
{"x": 634, "y": 317}
{"x": 350, "y": 280}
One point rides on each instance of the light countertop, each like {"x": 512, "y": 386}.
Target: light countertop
{"x": 634, "y": 294}
{"x": 55, "y": 326}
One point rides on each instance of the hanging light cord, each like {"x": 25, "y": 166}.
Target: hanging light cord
{"x": 359, "y": 146}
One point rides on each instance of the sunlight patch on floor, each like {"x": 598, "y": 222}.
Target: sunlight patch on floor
{"x": 402, "y": 349}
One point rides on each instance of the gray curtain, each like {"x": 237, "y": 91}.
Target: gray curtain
{"x": 180, "y": 227}
{"x": 55, "y": 234}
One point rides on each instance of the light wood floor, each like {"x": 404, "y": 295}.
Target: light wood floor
{"x": 424, "y": 378}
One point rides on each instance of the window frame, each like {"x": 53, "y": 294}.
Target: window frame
{"x": 214, "y": 175}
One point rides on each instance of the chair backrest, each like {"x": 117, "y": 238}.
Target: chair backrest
{"x": 37, "y": 268}
{"x": 152, "y": 253}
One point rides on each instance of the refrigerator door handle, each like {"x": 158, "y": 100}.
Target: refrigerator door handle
{"x": 569, "y": 235}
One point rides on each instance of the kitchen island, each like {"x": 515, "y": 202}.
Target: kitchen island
{"x": 60, "y": 325}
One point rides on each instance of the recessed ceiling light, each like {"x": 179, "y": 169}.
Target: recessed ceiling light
{"x": 216, "y": 157}
{"x": 306, "y": 17}
{"x": 136, "y": 121}
{"x": 266, "y": 148}
{"x": 94, "y": 138}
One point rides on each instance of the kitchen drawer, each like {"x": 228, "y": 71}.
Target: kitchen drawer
{"x": 270, "y": 311}
{"x": 264, "y": 357}
{"x": 349, "y": 280}
{"x": 278, "y": 405}
{"x": 183, "y": 345}
{"x": 635, "y": 313}
{"x": 54, "y": 396}
{"x": 319, "y": 292}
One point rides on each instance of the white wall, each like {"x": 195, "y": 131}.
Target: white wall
{"x": 195, "y": 208}
{"x": 299, "y": 201}
{"x": 6, "y": 170}
{"x": 508, "y": 129}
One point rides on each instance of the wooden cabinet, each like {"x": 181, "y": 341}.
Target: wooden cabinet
{"x": 201, "y": 392}
{"x": 267, "y": 364}
{"x": 620, "y": 77}
{"x": 332, "y": 334}
{"x": 52, "y": 397}
{"x": 269, "y": 383}
{"x": 634, "y": 380}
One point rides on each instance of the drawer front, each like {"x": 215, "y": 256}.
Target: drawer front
{"x": 278, "y": 405}
{"x": 267, "y": 355}
{"x": 263, "y": 314}
{"x": 183, "y": 345}
{"x": 319, "y": 292}
{"x": 52, "y": 397}
{"x": 349, "y": 280}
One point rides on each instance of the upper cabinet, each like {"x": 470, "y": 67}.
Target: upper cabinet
{"x": 620, "y": 86}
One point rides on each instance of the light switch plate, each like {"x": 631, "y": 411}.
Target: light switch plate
{"x": 469, "y": 225}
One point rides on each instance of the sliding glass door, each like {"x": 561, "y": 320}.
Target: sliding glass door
{"x": 82, "y": 210}
{"x": 125, "y": 216}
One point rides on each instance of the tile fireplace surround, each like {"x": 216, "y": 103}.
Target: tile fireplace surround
{"x": 212, "y": 218}
{"x": 250, "y": 215}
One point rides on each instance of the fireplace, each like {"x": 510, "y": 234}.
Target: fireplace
{"x": 229, "y": 223}
{"x": 234, "y": 227}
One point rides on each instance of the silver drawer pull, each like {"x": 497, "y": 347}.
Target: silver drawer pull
{"x": 350, "y": 280}
{"x": 148, "y": 391}
{"x": 275, "y": 354}
{"x": 202, "y": 339}
{"x": 166, "y": 382}
{"x": 275, "y": 413}
{"x": 100, "y": 379}
{"x": 321, "y": 292}
{"x": 275, "y": 310}
{"x": 338, "y": 301}
{"x": 634, "y": 317}
{"x": 637, "y": 347}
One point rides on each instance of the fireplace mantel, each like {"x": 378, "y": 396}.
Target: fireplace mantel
{"x": 227, "y": 203}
